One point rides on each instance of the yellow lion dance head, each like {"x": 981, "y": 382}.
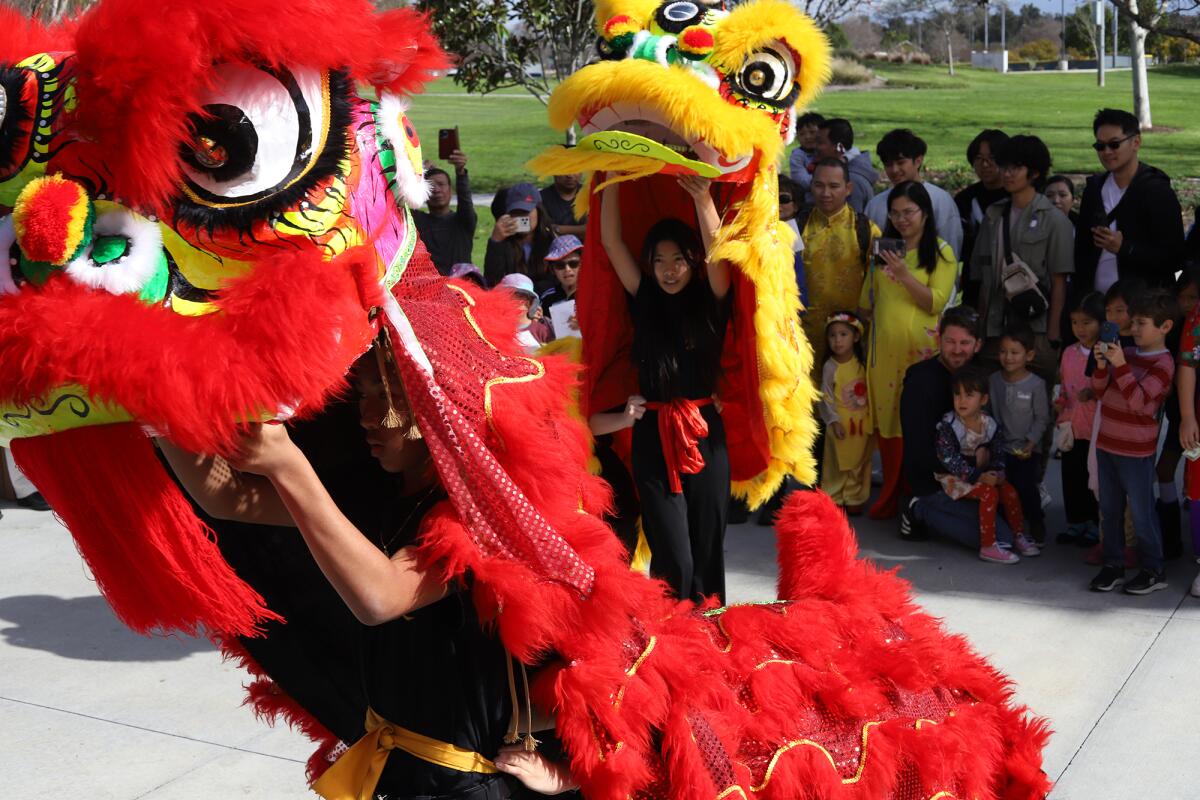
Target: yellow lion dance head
{"x": 685, "y": 88}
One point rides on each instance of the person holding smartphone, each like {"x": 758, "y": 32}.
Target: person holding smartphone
{"x": 1130, "y": 222}
{"x": 448, "y": 234}
{"x": 520, "y": 239}
{"x": 906, "y": 290}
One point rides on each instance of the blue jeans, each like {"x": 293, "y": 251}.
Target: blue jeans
{"x": 1133, "y": 477}
{"x": 957, "y": 520}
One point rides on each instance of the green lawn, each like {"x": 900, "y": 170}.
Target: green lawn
{"x": 500, "y": 132}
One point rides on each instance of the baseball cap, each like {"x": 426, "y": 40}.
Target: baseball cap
{"x": 563, "y": 246}
{"x": 468, "y": 272}
{"x": 521, "y": 284}
{"x": 522, "y": 197}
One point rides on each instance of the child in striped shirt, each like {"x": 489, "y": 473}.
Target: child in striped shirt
{"x": 1131, "y": 384}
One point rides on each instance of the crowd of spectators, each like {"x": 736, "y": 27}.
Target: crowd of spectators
{"x": 968, "y": 339}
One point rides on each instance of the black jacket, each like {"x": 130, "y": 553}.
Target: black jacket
{"x": 1151, "y": 221}
{"x": 924, "y": 400}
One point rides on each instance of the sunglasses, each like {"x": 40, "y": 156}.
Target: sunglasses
{"x": 784, "y": 199}
{"x": 1111, "y": 144}
{"x": 569, "y": 263}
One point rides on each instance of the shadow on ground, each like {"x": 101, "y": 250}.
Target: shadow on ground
{"x": 85, "y": 629}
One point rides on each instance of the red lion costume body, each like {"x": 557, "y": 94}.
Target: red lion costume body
{"x": 210, "y": 224}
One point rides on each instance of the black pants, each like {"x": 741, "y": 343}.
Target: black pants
{"x": 1078, "y": 499}
{"x": 686, "y": 532}
{"x": 1024, "y": 475}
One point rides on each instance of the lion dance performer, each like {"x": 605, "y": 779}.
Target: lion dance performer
{"x": 209, "y": 224}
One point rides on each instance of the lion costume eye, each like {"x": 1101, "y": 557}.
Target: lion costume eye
{"x": 262, "y": 143}
{"x": 769, "y": 76}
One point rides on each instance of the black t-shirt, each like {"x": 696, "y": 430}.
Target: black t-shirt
{"x": 697, "y": 359}
{"x": 560, "y": 211}
{"x": 437, "y": 673}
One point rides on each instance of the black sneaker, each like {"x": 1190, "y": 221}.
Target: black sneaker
{"x": 1108, "y": 579}
{"x": 911, "y": 528}
{"x": 34, "y": 501}
{"x": 1145, "y": 582}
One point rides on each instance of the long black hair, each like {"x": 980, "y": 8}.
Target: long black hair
{"x": 927, "y": 250}
{"x": 666, "y": 323}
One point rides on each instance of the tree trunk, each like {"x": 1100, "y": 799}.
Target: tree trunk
{"x": 1141, "y": 86}
{"x": 949, "y": 52}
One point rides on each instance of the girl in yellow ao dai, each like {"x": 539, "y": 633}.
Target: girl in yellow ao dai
{"x": 846, "y": 462}
{"x": 904, "y": 296}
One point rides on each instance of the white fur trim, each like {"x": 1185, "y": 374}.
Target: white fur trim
{"x": 413, "y": 188}
{"x": 661, "y": 47}
{"x": 130, "y": 273}
{"x": 638, "y": 38}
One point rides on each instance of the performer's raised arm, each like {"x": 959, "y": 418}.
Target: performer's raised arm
{"x": 377, "y": 588}
{"x": 710, "y": 224}
{"x": 223, "y": 492}
{"x": 610, "y": 236}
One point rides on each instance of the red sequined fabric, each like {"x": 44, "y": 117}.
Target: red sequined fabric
{"x": 453, "y": 413}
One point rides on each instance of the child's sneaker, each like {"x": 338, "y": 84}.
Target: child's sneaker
{"x": 1145, "y": 582}
{"x": 998, "y": 555}
{"x": 1074, "y": 534}
{"x": 1025, "y": 547}
{"x": 1091, "y": 535}
{"x": 1108, "y": 579}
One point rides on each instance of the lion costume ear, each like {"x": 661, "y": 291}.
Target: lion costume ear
{"x": 400, "y": 54}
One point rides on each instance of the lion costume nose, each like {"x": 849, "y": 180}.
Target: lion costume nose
{"x": 53, "y": 219}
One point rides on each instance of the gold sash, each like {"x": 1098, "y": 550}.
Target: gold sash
{"x": 355, "y": 775}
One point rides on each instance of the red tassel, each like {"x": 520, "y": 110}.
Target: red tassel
{"x": 155, "y": 562}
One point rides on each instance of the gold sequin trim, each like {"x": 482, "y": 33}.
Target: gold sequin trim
{"x": 633, "y": 670}
{"x": 862, "y": 762}
{"x": 539, "y": 371}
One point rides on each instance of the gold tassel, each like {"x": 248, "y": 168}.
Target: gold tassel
{"x": 531, "y": 744}
{"x": 392, "y": 418}
{"x": 514, "y": 734}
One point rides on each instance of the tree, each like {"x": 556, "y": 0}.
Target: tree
{"x": 825, "y": 12}
{"x": 863, "y": 34}
{"x": 50, "y": 10}
{"x": 1173, "y": 18}
{"x": 498, "y": 44}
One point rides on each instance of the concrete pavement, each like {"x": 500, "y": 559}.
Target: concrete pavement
{"x": 88, "y": 709}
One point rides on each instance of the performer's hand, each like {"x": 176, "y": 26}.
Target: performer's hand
{"x": 534, "y": 770}
{"x": 635, "y": 409}
{"x": 696, "y": 186}
{"x": 839, "y": 430}
{"x": 264, "y": 449}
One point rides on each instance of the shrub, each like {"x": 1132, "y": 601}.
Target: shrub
{"x": 850, "y": 73}
{"x": 1038, "y": 50}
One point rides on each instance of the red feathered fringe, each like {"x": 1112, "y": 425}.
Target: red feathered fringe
{"x": 156, "y": 563}
{"x": 285, "y": 336}
{"x": 140, "y": 74}
{"x": 271, "y": 704}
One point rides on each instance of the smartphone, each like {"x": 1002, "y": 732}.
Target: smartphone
{"x": 447, "y": 142}
{"x": 885, "y": 244}
{"x": 1099, "y": 219}
{"x": 523, "y": 225}
{"x": 1110, "y": 333}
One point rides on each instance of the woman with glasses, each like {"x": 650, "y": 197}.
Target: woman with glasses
{"x": 904, "y": 293}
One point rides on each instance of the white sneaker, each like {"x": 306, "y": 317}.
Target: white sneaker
{"x": 1025, "y": 547}
{"x": 1196, "y": 587}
